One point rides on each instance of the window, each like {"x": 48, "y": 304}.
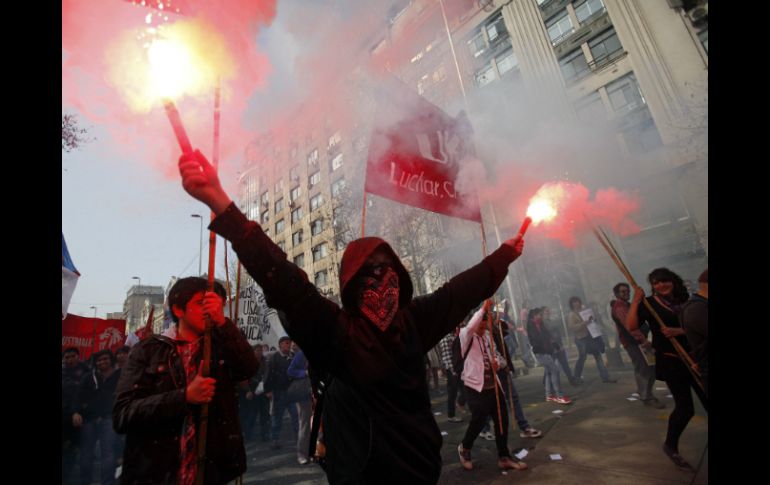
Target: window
{"x": 643, "y": 137}
{"x": 423, "y": 83}
{"x": 254, "y": 213}
{"x": 265, "y": 199}
{"x": 559, "y": 28}
{"x": 321, "y": 278}
{"x": 485, "y": 76}
{"x": 295, "y": 193}
{"x": 312, "y": 158}
{"x": 316, "y": 227}
{"x": 588, "y": 9}
{"x": 265, "y": 217}
{"x": 340, "y": 245}
{"x": 574, "y": 66}
{"x": 591, "y": 108}
{"x": 314, "y": 178}
{"x": 704, "y": 39}
{"x": 282, "y": 245}
{"x": 334, "y": 141}
{"x": 279, "y": 226}
{"x": 337, "y": 187}
{"x": 624, "y": 94}
{"x": 299, "y": 259}
{"x": 294, "y": 173}
{"x": 279, "y": 186}
{"x": 496, "y": 28}
{"x": 336, "y": 162}
{"x": 605, "y": 48}
{"x": 506, "y": 61}
{"x": 337, "y": 214}
{"x": 320, "y": 251}
{"x": 439, "y": 74}
{"x": 279, "y": 205}
{"x": 296, "y": 215}
{"x": 477, "y": 45}
{"x": 316, "y": 201}
{"x": 296, "y": 238}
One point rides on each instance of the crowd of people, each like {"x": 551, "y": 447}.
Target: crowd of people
{"x": 354, "y": 379}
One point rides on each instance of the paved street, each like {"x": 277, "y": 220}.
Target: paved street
{"x": 602, "y": 438}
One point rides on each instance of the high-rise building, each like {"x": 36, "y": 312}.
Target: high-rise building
{"x": 135, "y": 305}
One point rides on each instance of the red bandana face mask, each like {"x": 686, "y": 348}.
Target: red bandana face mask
{"x": 378, "y": 299}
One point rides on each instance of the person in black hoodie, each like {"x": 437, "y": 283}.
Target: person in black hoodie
{"x": 377, "y": 421}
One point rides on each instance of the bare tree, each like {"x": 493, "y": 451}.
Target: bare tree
{"x": 72, "y": 135}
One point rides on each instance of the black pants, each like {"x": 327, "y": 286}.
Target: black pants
{"x": 454, "y": 387}
{"x": 679, "y": 381}
{"x": 483, "y": 404}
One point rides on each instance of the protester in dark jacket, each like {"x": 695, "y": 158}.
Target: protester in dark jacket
{"x": 72, "y": 372}
{"x": 160, "y": 393}
{"x": 377, "y": 421}
{"x": 545, "y": 348}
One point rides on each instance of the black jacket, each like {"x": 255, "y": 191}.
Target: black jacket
{"x": 378, "y": 425}
{"x": 150, "y": 408}
{"x": 542, "y": 341}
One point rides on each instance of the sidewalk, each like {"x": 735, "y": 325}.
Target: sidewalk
{"x": 602, "y": 438}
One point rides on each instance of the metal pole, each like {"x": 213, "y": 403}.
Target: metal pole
{"x": 93, "y": 342}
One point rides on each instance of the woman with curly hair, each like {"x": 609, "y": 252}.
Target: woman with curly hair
{"x": 668, "y": 295}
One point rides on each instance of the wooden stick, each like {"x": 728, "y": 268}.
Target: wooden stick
{"x": 605, "y": 242}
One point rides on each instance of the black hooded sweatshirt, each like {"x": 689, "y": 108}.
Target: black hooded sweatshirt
{"x": 378, "y": 425}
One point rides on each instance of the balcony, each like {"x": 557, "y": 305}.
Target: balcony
{"x": 601, "y": 62}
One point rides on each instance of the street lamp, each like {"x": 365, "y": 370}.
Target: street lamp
{"x": 137, "y": 278}
{"x": 200, "y": 242}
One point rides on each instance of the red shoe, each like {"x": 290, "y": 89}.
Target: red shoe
{"x": 562, "y": 400}
{"x": 550, "y": 398}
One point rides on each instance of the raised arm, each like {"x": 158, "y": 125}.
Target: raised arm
{"x": 441, "y": 311}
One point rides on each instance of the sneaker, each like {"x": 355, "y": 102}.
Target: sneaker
{"x": 609, "y": 381}
{"x": 508, "y": 463}
{"x": 465, "y": 457}
{"x": 455, "y": 419}
{"x": 489, "y": 436}
{"x": 531, "y": 433}
{"x": 550, "y": 398}
{"x": 302, "y": 460}
{"x": 677, "y": 458}
{"x": 562, "y": 400}
{"x": 654, "y": 403}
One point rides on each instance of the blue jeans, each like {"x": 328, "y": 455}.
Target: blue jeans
{"x": 551, "y": 375}
{"x": 280, "y": 404}
{"x": 98, "y": 429}
{"x": 582, "y": 353}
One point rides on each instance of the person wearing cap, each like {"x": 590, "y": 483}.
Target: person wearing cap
{"x": 161, "y": 391}
{"x": 377, "y": 422}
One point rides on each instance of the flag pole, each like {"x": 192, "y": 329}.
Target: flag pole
{"x": 493, "y": 361}
{"x": 204, "y": 416}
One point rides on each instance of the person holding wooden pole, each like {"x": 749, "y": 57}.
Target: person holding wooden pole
{"x": 669, "y": 293}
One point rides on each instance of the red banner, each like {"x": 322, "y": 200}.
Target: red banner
{"x": 416, "y": 159}
{"x": 77, "y": 331}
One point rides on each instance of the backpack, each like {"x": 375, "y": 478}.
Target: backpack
{"x": 458, "y": 360}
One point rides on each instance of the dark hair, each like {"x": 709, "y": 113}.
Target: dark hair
{"x": 70, "y": 350}
{"x": 185, "y": 288}
{"x": 704, "y": 277}
{"x": 106, "y": 352}
{"x": 573, "y": 299}
{"x": 284, "y": 338}
{"x": 532, "y": 313}
{"x": 616, "y": 288}
{"x": 123, "y": 350}
{"x": 664, "y": 274}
